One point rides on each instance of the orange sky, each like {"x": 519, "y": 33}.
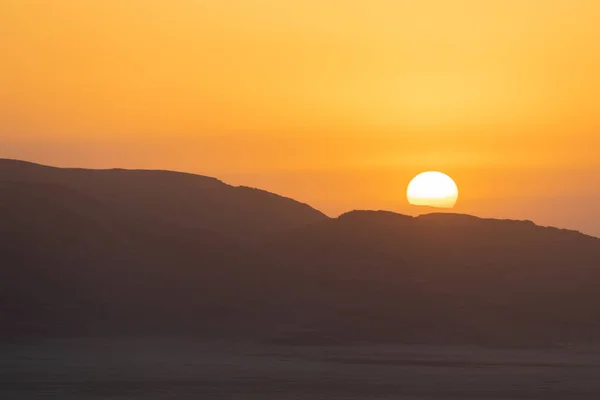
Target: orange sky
{"x": 334, "y": 102}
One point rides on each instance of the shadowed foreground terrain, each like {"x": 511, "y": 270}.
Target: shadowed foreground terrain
{"x": 94, "y": 369}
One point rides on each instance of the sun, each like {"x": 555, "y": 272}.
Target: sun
{"x": 434, "y": 189}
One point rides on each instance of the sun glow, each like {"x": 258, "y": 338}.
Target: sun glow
{"x": 433, "y": 189}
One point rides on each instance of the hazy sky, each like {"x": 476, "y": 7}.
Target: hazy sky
{"x": 334, "y": 102}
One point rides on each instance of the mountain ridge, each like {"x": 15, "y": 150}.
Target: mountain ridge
{"x": 84, "y": 254}
{"x": 174, "y": 197}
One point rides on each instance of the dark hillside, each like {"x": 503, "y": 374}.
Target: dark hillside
{"x": 181, "y": 199}
{"x": 106, "y": 252}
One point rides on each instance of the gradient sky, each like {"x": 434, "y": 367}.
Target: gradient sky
{"x": 333, "y": 102}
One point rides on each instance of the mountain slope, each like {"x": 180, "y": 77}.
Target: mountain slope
{"x": 441, "y": 278}
{"x": 69, "y": 264}
{"x": 185, "y": 200}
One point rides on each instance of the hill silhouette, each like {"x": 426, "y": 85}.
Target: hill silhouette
{"x": 108, "y": 252}
{"x": 182, "y": 199}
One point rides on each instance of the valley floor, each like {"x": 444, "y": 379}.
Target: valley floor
{"x": 151, "y": 369}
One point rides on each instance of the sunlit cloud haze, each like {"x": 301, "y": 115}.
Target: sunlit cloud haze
{"x": 336, "y": 103}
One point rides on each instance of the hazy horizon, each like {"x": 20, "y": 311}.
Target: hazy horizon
{"x": 539, "y": 210}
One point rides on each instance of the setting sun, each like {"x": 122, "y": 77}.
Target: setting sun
{"x": 433, "y": 189}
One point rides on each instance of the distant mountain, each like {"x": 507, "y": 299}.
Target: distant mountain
{"x": 581, "y": 213}
{"x": 111, "y": 252}
{"x": 182, "y": 199}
